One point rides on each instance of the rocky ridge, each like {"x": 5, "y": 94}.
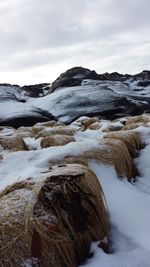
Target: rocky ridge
{"x": 77, "y": 92}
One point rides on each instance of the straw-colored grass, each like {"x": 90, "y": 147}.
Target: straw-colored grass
{"x": 87, "y": 122}
{"x": 51, "y": 123}
{"x": 61, "y": 130}
{"x": 80, "y": 121}
{"x": 52, "y": 220}
{"x": 56, "y": 140}
{"x": 144, "y": 118}
{"x": 95, "y": 126}
{"x": 132, "y": 126}
{"x": 112, "y": 127}
{"x": 132, "y": 140}
{"x": 113, "y": 152}
{"x": 13, "y": 143}
{"x": 43, "y": 125}
{"x": 37, "y": 129}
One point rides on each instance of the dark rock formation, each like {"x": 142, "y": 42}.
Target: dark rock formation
{"x": 37, "y": 115}
{"x": 35, "y": 90}
{"x": 73, "y": 77}
{"x": 77, "y": 92}
{"x": 143, "y": 83}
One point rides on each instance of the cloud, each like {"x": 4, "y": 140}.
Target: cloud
{"x": 98, "y": 34}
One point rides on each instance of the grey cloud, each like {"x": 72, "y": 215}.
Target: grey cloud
{"x": 35, "y": 32}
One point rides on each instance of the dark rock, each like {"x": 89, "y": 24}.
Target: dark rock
{"x": 108, "y": 96}
{"x": 35, "y": 90}
{"x": 73, "y": 77}
{"x": 114, "y": 76}
{"x": 37, "y": 115}
{"x": 144, "y": 75}
{"x": 144, "y": 83}
{"x": 16, "y": 122}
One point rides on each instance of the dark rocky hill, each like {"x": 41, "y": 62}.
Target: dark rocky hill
{"x": 77, "y": 92}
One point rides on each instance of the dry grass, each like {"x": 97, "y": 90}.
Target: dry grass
{"x": 52, "y": 219}
{"x": 61, "y": 130}
{"x": 144, "y": 118}
{"x": 132, "y": 126}
{"x": 56, "y": 140}
{"x": 112, "y": 127}
{"x": 113, "y": 152}
{"x": 38, "y": 127}
{"x": 51, "y": 123}
{"x": 87, "y": 122}
{"x": 132, "y": 140}
{"x": 95, "y": 126}
{"x": 80, "y": 121}
{"x": 13, "y": 143}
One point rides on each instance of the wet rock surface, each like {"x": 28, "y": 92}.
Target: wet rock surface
{"x": 77, "y": 92}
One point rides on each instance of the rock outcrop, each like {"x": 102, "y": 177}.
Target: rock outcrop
{"x": 75, "y": 93}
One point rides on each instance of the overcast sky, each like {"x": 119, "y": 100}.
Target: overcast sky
{"x": 40, "y": 39}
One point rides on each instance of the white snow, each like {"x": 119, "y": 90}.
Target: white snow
{"x": 23, "y": 164}
{"x": 32, "y": 143}
{"x": 128, "y": 206}
{"x": 128, "y": 203}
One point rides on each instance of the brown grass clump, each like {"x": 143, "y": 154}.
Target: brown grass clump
{"x": 144, "y": 118}
{"x": 42, "y": 125}
{"x": 132, "y": 126}
{"x": 132, "y": 140}
{"x": 112, "y": 127}
{"x": 121, "y": 159}
{"x": 24, "y": 129}
{"x": 113, "y": 152}
{"x": 80, "y": 121}
{"x": 56, "y": 140}
{"x": 24, "y": 134}
{"x": 51, "y": 123}
{"x": 61, "y": 130}
{"x": 49, "y": 222}
{"x": 87, "y": 122}
{"x": 37, "y": 128}
{"x": 95, "y": 126}
{"x": 13, "y": 143}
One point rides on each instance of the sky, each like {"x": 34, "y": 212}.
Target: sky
{"x": 40, "y": 39}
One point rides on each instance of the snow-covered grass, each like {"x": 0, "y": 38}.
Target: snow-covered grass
{"x": 128, "y": 203}
{"x": 23, "y": 164}
{"x": 128, "y": 206}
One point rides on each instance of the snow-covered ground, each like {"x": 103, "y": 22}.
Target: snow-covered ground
{"x": 128, "y": 203}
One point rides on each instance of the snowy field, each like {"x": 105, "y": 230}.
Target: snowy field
{"x": 128, "y": 203}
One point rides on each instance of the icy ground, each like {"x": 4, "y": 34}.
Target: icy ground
{"x": 128, "y": 203}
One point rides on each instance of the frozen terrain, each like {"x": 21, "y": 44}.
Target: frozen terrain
{"x": 83, "y": 95}
{"x": 128, "y": 203}
{"x": 75, "y": 94}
